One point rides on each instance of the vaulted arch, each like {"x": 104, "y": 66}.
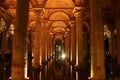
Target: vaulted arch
{"x": 59, "y": 4}
{"x": 59, "y": 24}
{"x": 59, "y": 16}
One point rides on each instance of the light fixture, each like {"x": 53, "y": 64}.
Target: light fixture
{"x": 63, "y": 56}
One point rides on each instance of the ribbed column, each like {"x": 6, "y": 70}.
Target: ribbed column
{"x": 73, "y": 51}
{"x": 46, "y": 50}
{"x": 20, "y": 40}
{"x": 43, "y": 50}
{"x": 37, "y": 44}
{"x": 97, "y": 41}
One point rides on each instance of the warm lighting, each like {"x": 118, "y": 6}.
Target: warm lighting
{"x": 63, "y": 56}
{"x": 33, "y": 59}
{"x": 76, "y": 75}
{"x": 91, "y": 71}
{"x": 26, "y": 66}
{"x": 10, "y": 78}
{"x": 89, "y": 78}
{"x": 12, "y": 29}
{"x": 40, "y": 59}
{"x": 27, "y": 78}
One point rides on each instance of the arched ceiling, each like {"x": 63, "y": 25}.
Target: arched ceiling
{"x": 65, "y": 4}
{"x": 57, "y": 11}
{"x": 59, "y": 4}
{"x": 59, "y": 24}
{"x": 59, "y": 16}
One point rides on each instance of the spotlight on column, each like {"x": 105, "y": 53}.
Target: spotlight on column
{"x": 63, "y": 56}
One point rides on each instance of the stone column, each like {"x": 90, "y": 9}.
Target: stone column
{"x": 20, "y": 40}
{"x": 117, "y": 17}
{"x": 50, "y": 57}
{"x": 97, "y": 41}
{"x": 46, "y": 50}
{"x": 37, "y": 44}
{"x": 85, "y": 43}
{"x": 67, "y": 48}
{"x": 78, "y": 11}
{"x": 118, "y": 39}
{"x": 43, "y": 50}
{"x": 5, "y": 49}
{"x": 47, "y": 53}
{"x": 73, "y": 51}
{"x": 112, "y": 42}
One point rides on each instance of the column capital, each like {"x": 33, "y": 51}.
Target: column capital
{"x": 78, "y": 12}
{"x": 39, "y": 12}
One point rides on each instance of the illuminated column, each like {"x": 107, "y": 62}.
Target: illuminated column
{"x": 43, "y": 50}
{"x": 73, "y": 38}
{"x": 67, "y": 41}
{"x": 97, "y": 42}
{"x": 73, "y": 51}
{"x": 50, "y": 56}
{"x": 78, "y": 12}
{"x": 20, "y": 41}
{"x": 37, "y": 45}
{"x": 46, "y": 50}
{"x": 79, "y": 35}
{"x": 67, "y": 48}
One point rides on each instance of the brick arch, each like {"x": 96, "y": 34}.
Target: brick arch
{"x": 59, "y": 4}
{"x": 59, "y": 16}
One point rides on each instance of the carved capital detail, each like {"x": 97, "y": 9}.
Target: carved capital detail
{"x": 39, "y": 12}
{"x": 78, "y": 12}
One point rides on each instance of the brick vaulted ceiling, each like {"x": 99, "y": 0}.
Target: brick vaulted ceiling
{"x": 58, "y": 13}
{"x": 64, "y": 4}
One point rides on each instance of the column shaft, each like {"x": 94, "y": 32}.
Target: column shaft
{"x": 20, "y": 40}
{"x": 37, "y": 45}
{"x": 67, "y": 48}
{"x": 97, "y": 41}
{"x": 118, "y": 39}
{"x": 73, "y": 51}
{"x": 117, "y": 16}
{"x": 43, "y": 51}
{"x": 112, "y": 43}
{"x": 80, "y": 62}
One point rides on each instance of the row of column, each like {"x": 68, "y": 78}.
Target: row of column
{"x": 19, "y": 57}
{"x": 97, "y": 43}
{"x": 77, "y": 53}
